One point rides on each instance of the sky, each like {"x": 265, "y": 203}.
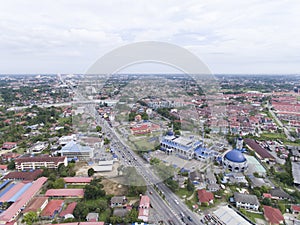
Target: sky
{"x": 68, "y": 36}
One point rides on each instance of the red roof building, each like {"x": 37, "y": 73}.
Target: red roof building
{"x": 267, "y": 195}
{"x": 295, "y": 209}
{"x": 205, "y": 196}
{"x": 9, "y": 156}
{"x": 3, "y": 167}
{"x": 69, "y": 210}
{"x": 37, "y": 203}
{"x": 38, "y": 162}
{"x": 263, "y": 153}
{"x": 144, "y": 208}
{"x": 9, "y": 145}
{"x": 65, "y": 193}
{"x": 81, "y": 223}
{"x": 28, "y": 176}
{"x": 273, "y": 215}
{"x": 13, "y": 211}
{"x": 52, "y": 208}
{"x": 78, "y": 180}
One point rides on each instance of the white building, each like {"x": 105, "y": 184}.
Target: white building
{"x": 249, "y": 202}
{"x": 181, "y": 146}
{"x": 75, "y": 151}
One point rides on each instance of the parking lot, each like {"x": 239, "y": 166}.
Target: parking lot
{"x": 178, "y": 162}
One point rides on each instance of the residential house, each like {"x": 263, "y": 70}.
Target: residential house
{"x": 246, "y": 201}
{"x": 205, "y": 197}
{"x": 118, "y": 201}
{"x": 295, "y": 209}
{"x": 279, "y": 194}
{"x": 92, "y": 217}
{"x": 273, "y": 215}
{"x": 9, "y": 145}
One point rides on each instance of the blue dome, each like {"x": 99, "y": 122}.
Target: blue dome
{"x": 235, "y": 156}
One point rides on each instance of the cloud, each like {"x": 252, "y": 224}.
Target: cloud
{"x": 68, "y": 36}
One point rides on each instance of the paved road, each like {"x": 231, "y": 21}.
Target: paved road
{"x": 286, "y": 131}
{"x": 169, "y": 209}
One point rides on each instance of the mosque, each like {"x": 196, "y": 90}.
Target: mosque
{"x": 235, "y": 160}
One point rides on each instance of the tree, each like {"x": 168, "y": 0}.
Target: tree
{"x": 57, "y": 184}
{"x": 30, "y": 218}
{"x": 98, "y": 128}
{"x": 80, "y": 211}
{"x": 267, "y": 201}
{"x": 106, "y": 141}
{"x": 190, "y": 186}
{"x": 11, "y": 165}
{"x": 91, "y": 172}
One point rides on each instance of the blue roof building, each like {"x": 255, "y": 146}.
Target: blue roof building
{"x": 72, "y": 150}
{"x": 180, "y": 146}
{"x": 235, "y": 161}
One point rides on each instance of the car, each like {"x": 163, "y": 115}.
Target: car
{"x": 150, "y": 192}
{"x": 190, "y": 219}
{"x": 175, "y": 200}
{"x": 182, "y": 214}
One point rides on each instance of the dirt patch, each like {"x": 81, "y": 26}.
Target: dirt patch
{"x": 113, "y": 188}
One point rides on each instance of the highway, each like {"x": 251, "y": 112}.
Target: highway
{"x": 169, "y": 208}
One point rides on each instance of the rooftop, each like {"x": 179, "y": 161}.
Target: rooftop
{"x": 40, "y": 159}
{"x": 273, "y": 215}
{"x": 64, "y": 193}
{"x": 69, "y": 210}
{"x": 205, "y": 196}
{"x": 78, "y": 179}
{"x": 235, "y": 156}
{"x": 53, "y": 207}
{"x": 35, "y": 204}
{"x": 30, "y": 176}
{"x": 245, "y": 198}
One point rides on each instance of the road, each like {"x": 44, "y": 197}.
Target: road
{"x": 286, "y": 131}
{"x": 172, "y": 208}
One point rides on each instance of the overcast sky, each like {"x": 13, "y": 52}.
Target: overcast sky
{"x": 229, "y": 36}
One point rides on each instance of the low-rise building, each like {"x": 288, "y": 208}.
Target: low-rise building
{"x": 118, "y": 201}
{"x": 92, "y": 217}
{"x": 181, "y": 146}
{"x": 279, "y": 194}
{"x": 9, "y": 145}
{"x": 144, "y": 208}
{"x": 38, "y": 162}
{"x": 273, "y": 215}
{"x": 74, "y": 151}
{"x": 65, "y": 193}
{"x": 205, "y": 197}
{"x": 52, "y": 209}
{"x": 68, "y": 212}
{"x": 249, "y": 202}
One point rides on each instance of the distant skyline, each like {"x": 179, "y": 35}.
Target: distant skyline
{"x": 234, "y": 37}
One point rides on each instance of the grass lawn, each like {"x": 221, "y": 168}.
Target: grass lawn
{"x": 183, "y": 193}
{"x": 273, "y": 136}
{"x": 252, "y": 216}
{"x": 70, "y": 186}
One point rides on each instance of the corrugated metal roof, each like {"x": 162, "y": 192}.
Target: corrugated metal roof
{"x": 65, "y": 193}
{"x": 20, "y": 192}
{"x": 78, "y": 179}
{"x": 4, "y": 184}
{"x": 16, "y": 207}
{"x": 4, "y": 191}
{"x": 12, "y": 192}
{"x": 52, "y": 208}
